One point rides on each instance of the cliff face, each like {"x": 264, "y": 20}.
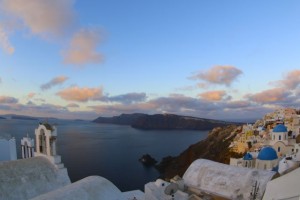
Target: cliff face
{"x": 162, "y": 122}
{"x": 175, "y": 122}
{"x": 214, "y": 147}
{"x": 123, "y": 119}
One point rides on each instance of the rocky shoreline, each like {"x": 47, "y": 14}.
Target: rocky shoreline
{"x": 214, "y": 147}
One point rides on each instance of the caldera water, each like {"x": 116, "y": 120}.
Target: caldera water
{"x": 107, "y": 150}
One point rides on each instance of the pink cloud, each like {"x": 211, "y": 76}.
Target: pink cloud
{"x": 270, "y": 96}
{"x": 291, "y": 80}
{"x": 222, "y": 75}
{"x": 31, "y": 95}
{"x": 8, "y": 100}
{"x": 213, "y": 95}
{"x": 82, "y": 48}
{"x": 55, "y": 81}
{"x": 4, "y": 42}
{"x": 80, "y": 94}
{"x": 42, "y": 17}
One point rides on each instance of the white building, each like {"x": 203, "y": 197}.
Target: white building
{"x": 208, "y": 179}
{"x": 267, "y": 159}
{"x": 284, "y": 187}
{"x": 27, "y": 147}
{"x": 281, "y": 142}
{"x": 28, "y": 178}
{"x": 45, "y": 137}
{"x": 7, "y": 148}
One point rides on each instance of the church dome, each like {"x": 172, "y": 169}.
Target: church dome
{"x": 247, "y": 156}
{"x": 280, "y": 128}
{"x": 267, "y": 153}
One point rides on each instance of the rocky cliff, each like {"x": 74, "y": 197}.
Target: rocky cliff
{"x": 162, "y": 122}
{"x": 214, "y": 147}
{"x": 123, "y": 119}
{"x": 169, "y": 121}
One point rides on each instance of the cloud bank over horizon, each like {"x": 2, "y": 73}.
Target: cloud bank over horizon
{"x": 218, "y": 104}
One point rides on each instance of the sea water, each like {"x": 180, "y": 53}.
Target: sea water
{"x": 107, "y": 150}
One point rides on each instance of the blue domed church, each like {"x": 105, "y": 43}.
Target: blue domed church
{"x": 281, "y": 142}
{"x": 267, "y": 158}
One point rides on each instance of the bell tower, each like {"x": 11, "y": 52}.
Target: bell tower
{"x": 27, "y": 146}
{"x": 45, "y": 137}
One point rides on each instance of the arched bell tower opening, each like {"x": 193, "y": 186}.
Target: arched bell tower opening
{"x": 42, "y": 141}
{"x": 27, "y": 147}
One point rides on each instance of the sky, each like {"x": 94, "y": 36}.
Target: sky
{"x": 212, "y": 59}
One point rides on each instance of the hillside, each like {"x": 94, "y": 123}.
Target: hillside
{"x": 123, "y": 119}
{"x": 214, "y": 147}
{"x": 162, "y": 122}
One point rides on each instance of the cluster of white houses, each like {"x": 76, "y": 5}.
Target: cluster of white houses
{"x": 271, "y": 171}
{"x": 271, "y": 143}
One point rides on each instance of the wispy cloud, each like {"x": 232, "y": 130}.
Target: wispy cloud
{"x": 291, "y": 80}
{"x": 221, "y": 75}
{"x": 31, "y": 95}
{"x": 216, "y": 95}
{"x": 45, "y": 110}
{"x": 128, "y": 98}
{"x": 184, "y": 105}
{"x": 8, "y": 100}
{"x": 80, "y": 94}
{"x": 73, "y": 105}
{"x": 240, "y": 104}
{"x": 55, "y": 81}
{"x": 270, "y": 96}
{"x": 83, "y": 48}
{"x": 41, "y": 17}
{"x": 5, "y": 43}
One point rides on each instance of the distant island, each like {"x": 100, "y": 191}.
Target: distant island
{"x": 162, "y": 122}
{"x": 23, "y": 117}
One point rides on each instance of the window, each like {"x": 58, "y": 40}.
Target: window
{"x": 279, "y": 137}
{"x": 278, "y": 149}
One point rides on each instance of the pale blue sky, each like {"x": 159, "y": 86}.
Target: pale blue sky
{"x": 150, "y": 50}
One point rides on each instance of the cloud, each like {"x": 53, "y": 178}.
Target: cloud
{"x": 30, "y": 103}
{"x": 8, "y": 100}
{"x": 82, "y": 48}
{"x": 42, "y": 17}
{"x": 222, "y": 75}
{"x": 31, "y": 95}
{"x": 213, "y": 95}
{"x": 46, "y": 110}
{"x": 55, "y": 81}
{"x": 4, "y": 42}
{"x": 73, "y": 105}
{"x": 270, "y": 96}
{"x": 80, "y": 94}
{"x": 241, "y": 104}
{"x": 175, "y": 103}
{"x": 291, "y": 81}
{"x": 128, "y": 98}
